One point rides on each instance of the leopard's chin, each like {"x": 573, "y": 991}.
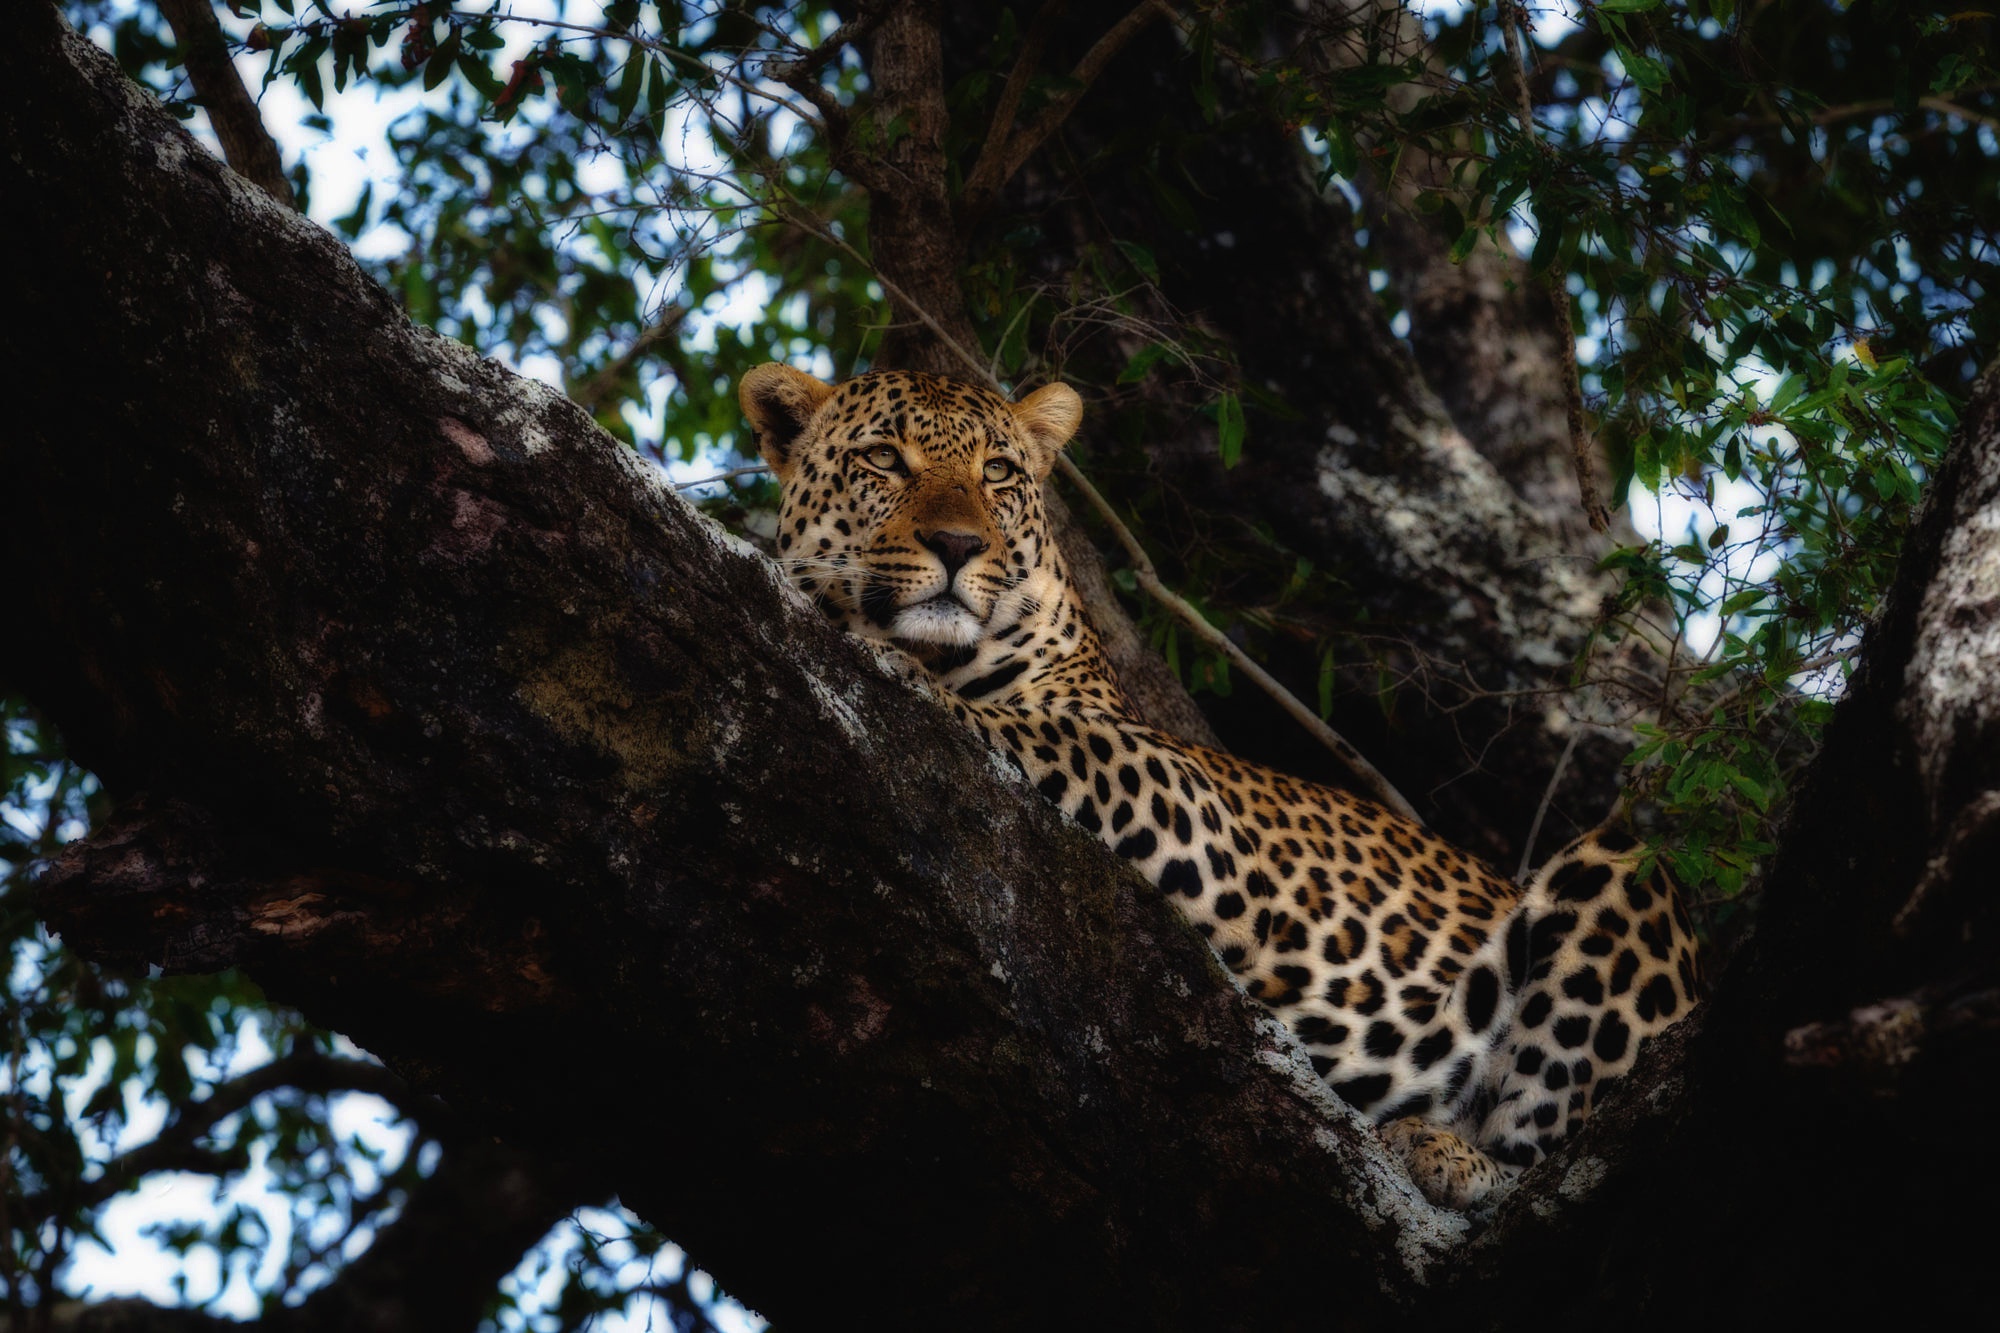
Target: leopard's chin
{"x": 941, "y": 621}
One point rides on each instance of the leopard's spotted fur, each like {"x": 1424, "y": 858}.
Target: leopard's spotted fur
{"x": 1474, "y": 1020}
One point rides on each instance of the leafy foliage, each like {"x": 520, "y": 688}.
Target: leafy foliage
{"x": 1778, "y": 223}
{"x": 1780, "y": 226}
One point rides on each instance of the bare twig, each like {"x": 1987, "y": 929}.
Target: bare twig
{"x": 1542, "y": 810}
{"x": 850, "y": 33}
{"x": 178, "y": 1146}
{"x": 1149, "y": 579}
{"x": 1945, "y": 107}
{"x": 604, "y": 381}
{"x": 1581, "y": 446}
{"x": 802, "y": 77}
{"x": 730, "y": 475}
{"x": 232, "y": 113}
{"x": 1004, "y": 152}
{"x": 1027, "y": 60}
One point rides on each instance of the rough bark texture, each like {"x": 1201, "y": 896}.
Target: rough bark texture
{"x": 232, "y": 112}
{"x": 468, "y": 737}
{"x": 499, "y": 749}
{"x": 1809, "y": 1163}
{"x": 1479, "y": 598}
{"x": 1481, "y": 331}
{"x": 912, "y": 234}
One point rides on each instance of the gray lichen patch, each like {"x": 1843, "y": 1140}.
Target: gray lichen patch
{"x": 1951, "y": 706}
{"x": 1382, "y": 1195}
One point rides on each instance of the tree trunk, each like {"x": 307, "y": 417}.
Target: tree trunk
{"x": 464, "y": 734}
{"x": 461, "y": 732}
{"x": 1468, "y": 593}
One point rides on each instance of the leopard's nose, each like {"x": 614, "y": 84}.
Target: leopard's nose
{"x": 953, "y": 548}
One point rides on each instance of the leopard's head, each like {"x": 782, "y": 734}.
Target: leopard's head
{"x": 913, "y": 504}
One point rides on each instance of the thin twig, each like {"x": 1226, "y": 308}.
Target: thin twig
{"x": 178, "y": 1145}
{"x": 604, "y": 381}
{"x": 1149, "y": 579}
{"x": 847, "y": 34}
{"x": 1542, "y": 810}
{"x": 1580, "y": 444}
{"x": 730, "y": 475}
{"x": 232, "y": 113}
{"x": 1945, "y": 107}
{"x": 802, "y": 77}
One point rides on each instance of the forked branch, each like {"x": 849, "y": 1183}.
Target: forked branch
{"x": 1005, "y": 150}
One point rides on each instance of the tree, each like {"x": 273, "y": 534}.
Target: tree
{"x": 433, "y": 658}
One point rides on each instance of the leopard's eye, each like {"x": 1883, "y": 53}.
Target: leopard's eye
{"x": 884, "y": 457}
{"x": 999, "y": 469}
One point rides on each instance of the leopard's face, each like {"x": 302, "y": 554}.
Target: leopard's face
{"x": 912, "y": 504}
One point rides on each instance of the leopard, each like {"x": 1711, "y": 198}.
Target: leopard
{"x": 1476, "y": 1023}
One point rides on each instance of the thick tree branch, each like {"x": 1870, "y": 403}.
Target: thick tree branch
{"x": 232, "y": 112}
{"x": 502, "y": 749}
{"x": 436, "y": 1267}
{"x": 508, "y": 750}
{"x": 432, "y": 1270}
{"x": 836, "y": 122}
{"x": 1798, "y": 1033}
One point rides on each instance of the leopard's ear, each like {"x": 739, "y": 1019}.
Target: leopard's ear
{"x": 779, "y": 401}
{"x": 1048, "y": 417}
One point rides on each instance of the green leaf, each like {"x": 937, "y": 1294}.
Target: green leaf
{"x": 1626, "y": 6}
{"x": 1229, "y": 429}
{"x": 439, "y": 65}
{"x": 306, "y": 63}
{"x": 1340, "y": 151}
{"x": 1547, "y": 239}
{"x": 631, "y": 83}
{"x": 1648, "y": 73}
{"x": 1140, "y": 258}
{"x": 479, "y": 76}
{"x": 1142, "y": 362}
{"x": 1741, "y": 601}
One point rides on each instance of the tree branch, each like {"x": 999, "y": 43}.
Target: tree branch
{"x": 1149, "y": 578}
{"x": 433, "y": 1270}
{"x": 801, "y": 75}
{"x": 982, "y": 183}
{"x": 600, "y": 386}
{"x": 1582, "y": 449}
{"x": 436, "y": 1267}
{"x": 177, "y": 1147}
{"x": 1004, "y": 152}
{"x": 232, "y": 112}
{"x": 504, "y": 749}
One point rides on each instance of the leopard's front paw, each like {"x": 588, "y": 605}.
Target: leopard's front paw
{"x": 1451, "y": 1172}
{"x": 905, "y": 668}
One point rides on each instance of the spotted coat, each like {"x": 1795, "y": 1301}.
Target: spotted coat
{"x": 1474, "y": 1020}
